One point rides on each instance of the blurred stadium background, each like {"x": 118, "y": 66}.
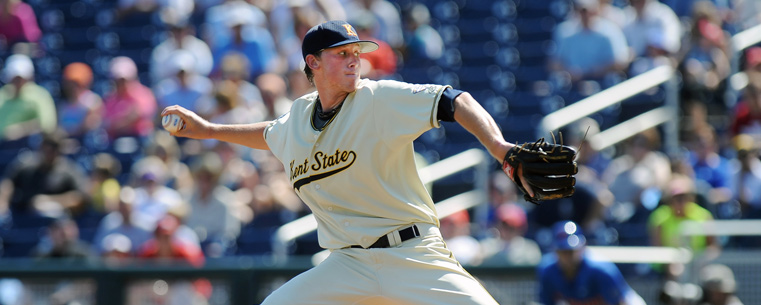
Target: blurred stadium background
{"x": 693, "y": 109}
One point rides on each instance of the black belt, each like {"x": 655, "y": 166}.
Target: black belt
{"x": 383, "y": 242}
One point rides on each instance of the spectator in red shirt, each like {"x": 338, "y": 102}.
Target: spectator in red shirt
{"x": 18, "y": 22}
{"x": 747, "y": 115}
{"x": 165, "y": 245}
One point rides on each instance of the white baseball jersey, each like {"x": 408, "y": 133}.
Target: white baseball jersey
{"x": 358, "y": 174}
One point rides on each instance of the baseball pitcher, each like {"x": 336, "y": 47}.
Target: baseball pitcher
{"x": 348, "y": 150}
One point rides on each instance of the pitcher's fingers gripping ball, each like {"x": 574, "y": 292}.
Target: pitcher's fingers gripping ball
{"x": 548, "y": 168}
{"x": 172, "y": 123}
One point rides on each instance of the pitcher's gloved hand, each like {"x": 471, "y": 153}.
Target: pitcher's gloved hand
{"x": 548, "y": 168}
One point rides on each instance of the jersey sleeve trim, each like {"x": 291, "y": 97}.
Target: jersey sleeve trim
{"x": 434, "y": 112}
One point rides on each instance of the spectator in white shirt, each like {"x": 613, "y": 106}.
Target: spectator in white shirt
{"x": 180, "y": 38}
{"x": 646, "y": 16}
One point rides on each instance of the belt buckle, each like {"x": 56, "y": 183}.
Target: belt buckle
{"x": 394, "y": 239}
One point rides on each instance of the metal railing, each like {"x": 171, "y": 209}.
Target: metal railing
{"x": 475, "y": 159}
{"x": 666, "y": 114}
{"x": 616, "y": 95}
{"x": 249, "y": 279}
{"x": 745, "y": 39}
{"x": 738, "y": 80}
{"x": 742, "y": 260}
{"x": 233, "y": 280}
{"x": 245, "y": 277}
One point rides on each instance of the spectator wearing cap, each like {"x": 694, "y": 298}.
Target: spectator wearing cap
{"x": 509, "y": 246}
{"x": 588, "y": 47}
{"x": 455, "y": 229}
{"x": 25, "y": 107}
{"x": 746, "y": 176}
{"x": 185, "y": 87}
{"x": 82, "y": 109}
{"x": 665, "y": 223}
{"x": 570, "y": 275}
{"x": 131, "y": 107}
{"x": 181, "y": 37}
{"x": 745, "y": 181}
{"x": 253, "y": 42}
{"x": 153, "y": 199}
{"x": 719, "y": 285}
{"x": 18, "y": 23}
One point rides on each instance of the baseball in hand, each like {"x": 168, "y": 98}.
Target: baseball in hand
{"x": 172, "y": 123}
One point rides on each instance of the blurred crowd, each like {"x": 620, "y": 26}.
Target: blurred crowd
{"x": 100, "y": 166}
{"x": 89, "y": 172}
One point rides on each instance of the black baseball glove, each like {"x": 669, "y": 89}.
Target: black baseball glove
{"x": 548, "y": 168}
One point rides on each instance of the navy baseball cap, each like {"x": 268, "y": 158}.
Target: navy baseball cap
{"x": 332, "y": 34}
{"x": 568, "y": 236}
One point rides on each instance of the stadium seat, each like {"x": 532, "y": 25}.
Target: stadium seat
{"x": 254, "y": 240}
{"x": 20, "y": 242}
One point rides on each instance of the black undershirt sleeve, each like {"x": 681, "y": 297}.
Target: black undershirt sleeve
{"x": 446, "y": 104}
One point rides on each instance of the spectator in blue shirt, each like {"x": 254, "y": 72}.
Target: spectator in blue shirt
{"x": 589, "y": 47}
{"x": 572, "y": 276}
{"x": 253, "y": 42}
{"x": 711, "y": 169}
